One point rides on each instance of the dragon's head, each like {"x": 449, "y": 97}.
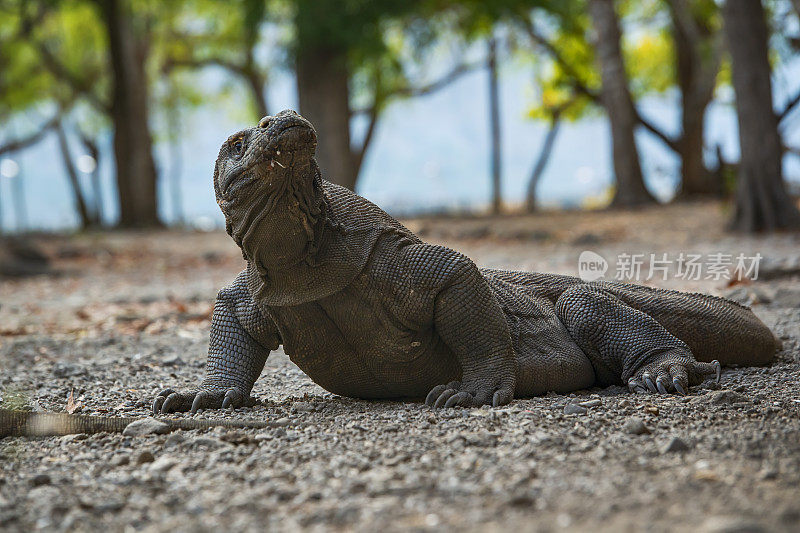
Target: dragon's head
{"x": 267, "y": 184}
{"x": 264, "y": 157}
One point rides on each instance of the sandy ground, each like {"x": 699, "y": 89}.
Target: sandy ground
{"x": 128, "y": 314}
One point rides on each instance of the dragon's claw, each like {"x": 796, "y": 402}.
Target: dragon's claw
{"x": 674, "y": 372}
{"x": 454, "y": 394}
{"x": 171, "y": 401}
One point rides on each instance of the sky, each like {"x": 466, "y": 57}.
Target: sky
{"x": 429, "y": 153}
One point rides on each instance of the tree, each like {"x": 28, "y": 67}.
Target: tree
{"x": 94, "y": 54}
{"x": 133, "y": 146}
{"x": 229, "y": 40}
{"x": 342, "y": 53}
{"x": 86, "y": 217}
{"x": 618, "y": 103}
{"x": 762, "y": 203}
{"x": 698, "y": 51}
{"x": 494, "y": 122}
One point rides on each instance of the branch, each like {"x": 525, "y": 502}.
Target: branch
{"x": 577, "y": 83}
{"x": 205, "y": 62}
{"x": 581, "y": 87}
{"x": 422, "y": 90}
{"x": 790, "y": 105}
{"x": 429, "y": 88}
{"x": 652, "y": 128}
{"x": 542, "y": 160}
{"x": 31, "y": 139}
{"x": 359, "y": 154}
{"x": 794, "y": 150}
{"x": 682, "y": 16}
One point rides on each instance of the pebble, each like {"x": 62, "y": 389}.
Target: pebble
{"x": 573, "y": 409}
{"x": 635, "y": 426}
{"x": 163, "y": 464}
{"x": 730, "y": 524}
{"x": 146, "y": 426}
{"x": 591, "y": 403}
{"x": 209, "y": 442}
{"x": 725, "y": 397}
{"x": 40, "y": 479}
{"x": 120, "y": 459}
{"x": 303, "y": 407}
{"x": 675, "y": 444}
{"x": 143, "y": 457}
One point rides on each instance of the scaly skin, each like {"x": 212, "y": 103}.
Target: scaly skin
{"x": 30, "y": 424}
{"x": 368, "y": 310}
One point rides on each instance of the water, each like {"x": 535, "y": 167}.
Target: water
{"x": 429, "y": 153}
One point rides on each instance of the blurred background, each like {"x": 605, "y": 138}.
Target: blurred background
{"x": 112, "y": 112}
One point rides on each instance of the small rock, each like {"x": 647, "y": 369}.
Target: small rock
{"x": 591, "y": 403}
{"x": 635, "y": 426}
{"x": 143, "y": 457}
{"x": 65, "y": 370}
{"x": 237, "y": 437}
{"x": 172, "y": 361}
{"x": 675, "y": 444}
{"x": 120, "y": 459}
{"x": 66, "y": 439}
{"x": 573, "y": 409}
{"x": 768, "y": 473}
{"x": 208, "y": 442}
{"x": 303, "y": 407}
{"x": 163, "y": 464}
{"x": 725, "y": 397}
{"x": 281, "y": 422}
{"x": 175, "y": 439}
{"x": 146, "y": 426}
{"x": 40, "y": 479}
{"x": 731, "y": 524}
{"x": 624, "y": 403}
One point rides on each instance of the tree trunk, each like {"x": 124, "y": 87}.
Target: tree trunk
{"x": 323, "y": 92}
{"x": 494, "y": 126}
{"x": 619, "y": 107}
{"x": 136, "y": 171}
{"x": 90, "y": 145}
{"x": 256, "y": 84}
{"x": 762, "y": 203}
{"x": 74, "y": 182}
{"x": 541, "y": 162}
{"x": 697, "y": 64}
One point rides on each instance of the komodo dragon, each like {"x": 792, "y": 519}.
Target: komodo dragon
{"x": 366, "y": 309}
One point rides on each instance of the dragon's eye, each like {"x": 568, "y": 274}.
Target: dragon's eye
{"x": 237, "y": 147}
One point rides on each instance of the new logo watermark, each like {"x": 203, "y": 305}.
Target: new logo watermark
{"x": 687, "y": 266}
{"x": 591, "y": 266}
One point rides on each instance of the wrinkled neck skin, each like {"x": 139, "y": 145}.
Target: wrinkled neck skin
{"x": 277, "y": 217}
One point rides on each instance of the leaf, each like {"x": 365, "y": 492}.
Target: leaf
{"x": 72, "y": 405}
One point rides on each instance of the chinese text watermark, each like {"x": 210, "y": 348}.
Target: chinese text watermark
{"x": 639, "y": 267}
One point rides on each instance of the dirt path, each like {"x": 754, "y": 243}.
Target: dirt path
{"x": 129, "y": 314}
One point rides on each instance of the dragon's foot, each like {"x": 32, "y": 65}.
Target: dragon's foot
{"x": 672, "y": 372}
{"x": 170, "y": 401}
{"x": 456, "y": 394}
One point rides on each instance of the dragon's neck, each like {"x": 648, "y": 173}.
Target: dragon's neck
{"x": 282, "y": 230}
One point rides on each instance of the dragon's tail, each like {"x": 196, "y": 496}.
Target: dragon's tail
{"x": 31, "y": 424}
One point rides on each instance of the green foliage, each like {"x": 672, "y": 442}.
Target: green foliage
{"x": 70, "y": 32}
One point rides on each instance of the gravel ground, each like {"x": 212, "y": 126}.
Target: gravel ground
{"x": 128, "y": 314}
